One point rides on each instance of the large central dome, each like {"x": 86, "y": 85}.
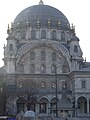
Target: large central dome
{"x": 42, "y": 15}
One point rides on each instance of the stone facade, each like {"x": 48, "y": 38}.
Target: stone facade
{"x": 38, "y": 57}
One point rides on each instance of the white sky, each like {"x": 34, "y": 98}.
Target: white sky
{"x": 76, "y": 11}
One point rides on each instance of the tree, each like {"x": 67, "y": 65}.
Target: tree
{"x": 28, "y": 89}
{"x": 2, "y": 97}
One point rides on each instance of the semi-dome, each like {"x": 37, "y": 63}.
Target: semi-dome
{"x": 42, "y": 16}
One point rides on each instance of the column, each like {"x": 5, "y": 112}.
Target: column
{"x": 49, "y": 108}
{"x": 37, "y": 108}
{"x": 88, "y": 106}
{"x": 76, "y": 107}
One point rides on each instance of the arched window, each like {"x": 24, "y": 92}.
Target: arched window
{"x": 53, "y": 85}
{"x": 21, "y": 68}
{"x": 43, "y": 55}
{"x": 33, "y": 36}
{"x": 53, "y": 103}
{"x": 53, "y": 69}
{"x": 43, "y": 34}
{"x": 32, "y": 68}
{"x": 54, "y": 35}
{"x": 43, "y": 105}
{"x": 21, "y": 102}
{"x": 65, "y": 68}
{"x": 32, "y": 56}
{"x": 43, "y": 69}
{"x": 82, "y": 105}
{"x": 75, "y": 48}
{"x": 63, "y": 35}
{"x": 23, "y": 35}
{"x": 43, "y": 84}
{"x": 54, "y": 58}
{"x": 64, "y": 84}
{"x": 11, "y": 47}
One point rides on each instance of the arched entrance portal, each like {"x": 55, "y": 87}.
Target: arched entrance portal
{"x": 53, "y": 103}
{"x": 21, "y": 104}
{"x": 82, "y": 105}
{"x": 43, "y": 105}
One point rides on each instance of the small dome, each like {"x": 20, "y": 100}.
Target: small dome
{"x": 42, "y": 15}
{"x": 29, "y": 114}
{"x": 64, "y": 103}
{"x": 74, "y": 38}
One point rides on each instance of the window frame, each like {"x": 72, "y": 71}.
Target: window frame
{"x": 83, "y": 84}
{"x": 32, "y": 55}
{"x": 32, "y": 68}
{"x": 43, "y": 34}
{"x": 54, "y": 56}
{"x": 44, "y": 69}
{"x": 43, "y": 55}
{"x": 10, "y": 47}
{"x": 54, "y": 35}
{"x": 75, "y": 48}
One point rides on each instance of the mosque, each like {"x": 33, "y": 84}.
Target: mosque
{"x": 44, "y": 70}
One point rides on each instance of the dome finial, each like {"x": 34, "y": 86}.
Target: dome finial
{"x": 41, "y": 2}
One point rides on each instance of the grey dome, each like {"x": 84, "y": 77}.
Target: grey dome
{"x": 43, "y": 13}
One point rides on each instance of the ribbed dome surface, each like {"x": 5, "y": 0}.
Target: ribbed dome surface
{"x": 42, "y": 13}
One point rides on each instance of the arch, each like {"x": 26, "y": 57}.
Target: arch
{"x": 21, "y": 99}
{"x": 60, "y": 49}
{"x": 53, "y": 100}
{"x": 53, "y": 103}
{"x": 43, "y": 34}
{"x": 82, "y": 105}
{"x": 43, "y": 105}
{"x": 81, "y": 96}
{"x": 43, "y": 99}
{"x": 21, "y": 103}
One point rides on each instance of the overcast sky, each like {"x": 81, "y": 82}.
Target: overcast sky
{"x": 76, "y": 11}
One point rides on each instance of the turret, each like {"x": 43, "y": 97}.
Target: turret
{"x": 10, "y": 52}
{"x": 75, "y": 52}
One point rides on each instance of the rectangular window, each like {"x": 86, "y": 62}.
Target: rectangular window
{"x": 83, "y": 84}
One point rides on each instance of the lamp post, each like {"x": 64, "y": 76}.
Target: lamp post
{"x": 56, "y": 91}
